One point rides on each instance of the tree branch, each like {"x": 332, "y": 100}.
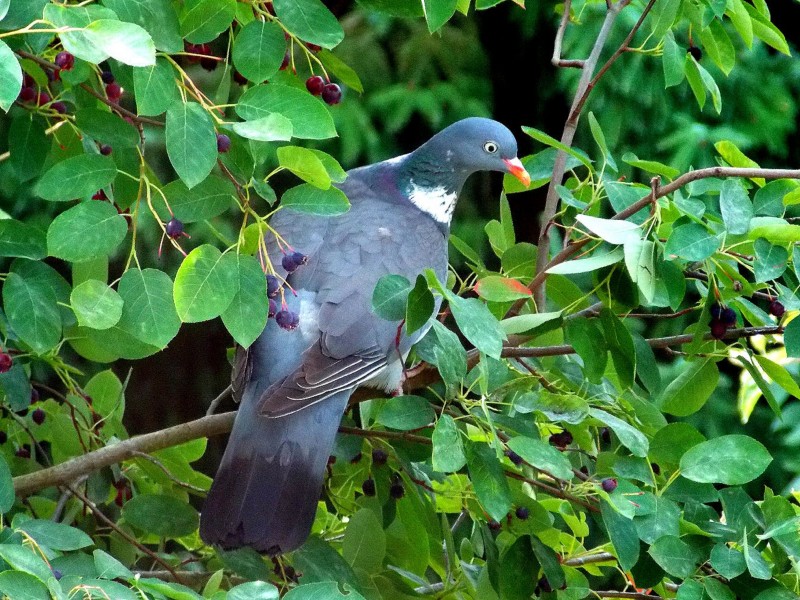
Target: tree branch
{"x": 557, "y": 61}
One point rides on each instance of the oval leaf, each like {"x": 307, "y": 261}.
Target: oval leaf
{"x": 96, "y": 305}
{"x": 730, "y": 459}
{"x": 191, "y": 142}
{"x": 205, "y": 284}
{"x": 88, "y": 230}
{"x": 76, "y": 177}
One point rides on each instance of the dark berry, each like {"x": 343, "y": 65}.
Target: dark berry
{"x": 718, "y": 329}
{"x": 174, "y": 228}
{"x": 293, "y": 260}
{"x": 494, "y": 525}
{"x": 609, "y": 484}
{"x": 22, "y": 412}
{"x": 295, "y": 320}
{"x": 123, "y": 495}
{"x": 776, "y": 309}
{"x": 728, "y": 316}
{"x": 584, "y": 469}
{"x": 65, "y": 60}
{"x": 286, "y": 60}
{"x": 561, "y": 440}
{"x": 286, "y": 320}
{"x": 273, "y": 286}
{"x": 28, "y": 81}
{"x": 514, "y": 457}
{"x": 44, "y": 98}
{"x": 5, "y": 362}
{"x": 332, "y": 94}
{"x": 34, "y": 395}
{"x": 107, "y": 77}
{"x": 368, "y": 487}
{"x": 379, "y": 457}
{"x": 522, "y": 512}
{"x": 105, "y": 149}
{"x": 223, "y": 143}
{"x": 24, "y": 451}
{"x": 273, "y": 308}
{"x": 605, "y": 435}
{"x": 544, "y": 585}
{"x": 716, "y": 311}
{"x": 696, "y": 53}
{"x": 3, "y": 437}
{"x": 114, "y": 91}
{"x": 239, "y": 78}
{"x": 100, "y": 195}
{"x": 27, "y": 94}
{"x": 656, "y": 468}
{"x": 57, "y": 574}
{"x": 121, "y": 483}
{"x": 313, "y": 47}
{"x": 60, "y": 108}
{"x": 315, "y": 84}
{"x": 53, "y": 75}
{"x": 397, "y": 491}
{"x": 38, "y": 416}
{"x": 209, "y": 64}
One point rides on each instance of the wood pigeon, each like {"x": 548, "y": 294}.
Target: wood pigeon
{"x": 294, "y": 381}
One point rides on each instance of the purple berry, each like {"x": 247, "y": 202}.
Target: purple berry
{"x": 368, "y": 487}
{"x": 293, "y": 260}
{"x": 522, "y": 512}
{"x": 38, "y": 416}
{"x": 776, "y": 309}
{"x": 273, "y": 286}
{"x": 65, "y": 60}
{"x": 57, "y": 574}
{"x": 379, "y": 457}
{"x": 514, "y": 457}
{"x": 273, "y": 308}
{"x": 27, "y": 94}
{"x": 60, "y": 108}
{"x": 397, "y": 491}
{"x": 286, "y": 60}
{"x": 332, "y": 94}
{"x": 718, "y": 329}
{"x": 494, "y": 525}
{"x": 114, "y": 91}
{"x": 223, "y": 143}
{"x": 315, "y": 84}
{"x": 295, "y": 320}
{"x": 728, "y": 316}
{"x": 286, "y": 319}
{"x": 609, "y": 484}
{"x": 105, "y": 149}
{"x": 34, "y": 395}
{"x": 605, "y": 435}
{"x": 107, "y": 77}
{"x": 5, "y": 362}
{"x": 313, "y": 47}
{"x": 561, "y": 440}
{"x": 209, "y": 63}
{"x": 716, "y": 311}
{"x": 24, "y": 451}
{"x": 44, "y": 98}
{"x": 174, "y": 228}
{"x": 544, "y": 585}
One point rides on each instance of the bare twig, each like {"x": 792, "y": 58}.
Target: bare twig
{"x": 212, "y": 408}
{"x": 557, "y": 61}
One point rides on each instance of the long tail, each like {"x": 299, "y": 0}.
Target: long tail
{"x": 266, "y": 491}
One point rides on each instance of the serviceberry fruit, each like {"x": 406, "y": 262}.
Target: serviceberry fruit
{"x": 368, "y": 487}
{"x": 273, "y": 286}
{"x": 609, "y": 484}
{"x": 65, "y": 60}
{"x": 313, "y": 47}
{"x": 286, "y": 60}
{"x": 114, "y": 91}
{"x": 656, "y": 468}
{"x": 379, "y": 457}
{"x": 24, "y": 451}
{"x": 105, "y": 149}
{"x": 293, "y": 260}
{"x": 223, "y": 143}
{"x": 728, "y": 316}
{"x": 61, "y": 109}
{"x": 776, "y": 309}
{"x": 494, "y": 525}
{"x": 315, "y": 84}
{"x": 605, "y": 435}
{"x": 38, "y": 416}
{"x": 718, "y": 329}
{"x": 27, "y": 94}
{"x": 209, "y": 64}
{"x": 514, "y": 457}
{"x": 107, "y": 77}
{"x": 544, "y": 585}
{"x": 174, "y": 228}
{"x": 716, "y": 311}
{"x": 561, "y": 440}
{"x": 57, "y": 574}
{"x": 123, "y": 495}
{"x": 100, "y": 195}
{"x": 295, "y": 320}
{"x": 696, "y": 53}
{"x": 44, "y": 98}
{"x": 522, "y": 512}
{"x": 397, "y": 491}
{"x": 273, "y": 308}
{"x": 332, "y": 94}
{"x": 34, "y": 395}
{"x": 5, "y": 362}
{"x": 286, "y": 320}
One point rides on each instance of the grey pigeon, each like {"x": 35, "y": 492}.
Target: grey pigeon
{"x": 294, "y": 384}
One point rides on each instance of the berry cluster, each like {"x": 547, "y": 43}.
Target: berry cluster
{"x": 331, "y": 92}
{"x": 201, "y": 53}
{"x": 285, "y": 318}
{"x": 722, "y": 318}
{"x": 561, "y": 440}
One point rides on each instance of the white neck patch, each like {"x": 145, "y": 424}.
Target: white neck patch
{"x": 438, "y": 202}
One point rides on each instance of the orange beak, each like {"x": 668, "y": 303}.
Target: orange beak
{"x": 517, "y": 170}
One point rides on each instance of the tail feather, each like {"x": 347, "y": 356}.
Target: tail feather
{"x": 266, "y": 491}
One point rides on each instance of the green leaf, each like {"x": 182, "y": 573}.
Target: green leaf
{"x": 488, "y": 480}
{"x": 690, "y": 390}
{"x": 730, "y": 459}
{"x": 165, "y": 516}
{"x": 31, "y": 309}
{"x": 516, "y": 559}
{"x": 630, "y": 437}
{"x": 406, "y": 413}
{"x": 29, "y": 146}
{"x": 148, "y": 313}
{"x": 305, "y": 164}
{"x": 76, "y": 177}
{"x": 246, "y": 316}
{"x": 662, "y": 16}
{"x": 543, "y": 456}
{"x": 205, "y": 284}
{"x": 310, "y": 20}
{"x": 191, "y": 142}
{"x": 89, "y": 230}
{"x": 78, "y": 17}
{"x": 209, "y": 198}
{"x": 22, "y": 240}
{"x": 441, "y": 347}
{"x": 622, "y": 533}
{"x": 772, "y": 199}
{"x": 692, "y": 71}
{"x": 528, "y": 322}
{"x": 791, "y": 338}
{"x": 6, "y": 486}
{"x": 56, "y": 536}
{"x": 495, "y": 288}
{"x": 309, "y": 116}
{"x": 477, "y": 323}
{"x": 675, "y": 556}
{"x": 587, "y": 265}
{"x": 770, "y": 260}
{"x": 778, "y": 231}
{"x": 4, "y": 6}
{"x": 158, "y": 17}
{"x": 718, "y": 46}
{"x": 258, "y": 50}
{"x": 364, "y": 543}
{"x": 764, "y": 30}
{"x": 203, "y": 20}
{"x": 663, "y": 519}
{"x": 311, "y": 200}
{"x": 10, "y": 77}
{"x": 390, "y": 296}
{"x": 322, "y": 590}
{"x": 612, "y": 231}
{"x": 778, "y": 374}
{"x": 107, "y": 127}
{"x": 727, "y": 561}
{"x": 620, "y": 344}
{"x": 126, "y": 42}
{"x": 341, "y": 70}
{"x": 22, "y": 586}
{"x": 587, "y": 338}
{"x": 541, "y": 136}
{"x": 691, "y": 242}
{"x": 419, "y": 306}
{"x": 736, "y": 158}
{"x": 448, "y": 447}
{"x": 25, "y": 559}
{"x": 600, "y": 140}
{"x": 736, "y": 207}
{"x": 438, "y": 12}
{"x": 756, "y": 565}
{"x": 272, "y": 128}
{"x": 96, "y": 305}
{"x": 673, "y": 62}
{"x": 254, "y": 590}
{"x": 155, "y": 88}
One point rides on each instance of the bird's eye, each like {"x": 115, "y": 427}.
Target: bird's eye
{"x": 490, "y": 147}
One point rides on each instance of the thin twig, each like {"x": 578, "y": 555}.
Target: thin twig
{"x": 557, "y": 61}
{"x": 212, "y": 408}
